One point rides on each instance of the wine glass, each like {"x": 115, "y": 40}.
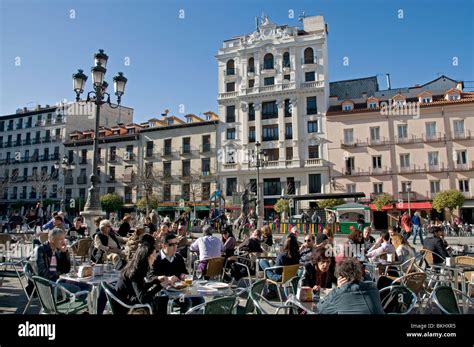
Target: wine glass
{"x": 199, "y": 274}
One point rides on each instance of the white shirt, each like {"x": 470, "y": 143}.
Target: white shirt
{"x": 208, "y": 247}
{"x": 164, "y": 256}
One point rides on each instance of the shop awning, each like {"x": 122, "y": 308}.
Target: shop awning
{"x": 414, "y": 206}
{"x": 384, "y": 208}
{"x": 468, "y": 204}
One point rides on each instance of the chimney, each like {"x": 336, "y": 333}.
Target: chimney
{"x": 388, "y": 81}
{"x": 364, "y": 96}
{"x": 460, "y": 85}
{"x": 25, "y": 109}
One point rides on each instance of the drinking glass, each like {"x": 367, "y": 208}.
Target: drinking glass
{"x": 198, "y": 274}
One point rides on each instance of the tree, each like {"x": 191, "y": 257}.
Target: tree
{"x": 382, "y": 200}
{"x": 39, "y": 182}
{"x": 152, "y": 203}
{"x": 448, "y": 200}
{"x": 147, "y": 182}
{"x": 330, "y": 203}
{"x": 282, "y": 205}
{"x": 111, "y": 202}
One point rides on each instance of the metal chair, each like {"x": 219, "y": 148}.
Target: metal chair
{"x": 43, "y": 237}
{"x": 118, "y": 306}
{"x": 258, "y": 299}
{"x": 256, "y": 288}
{"x": 288, "y": 272}
{"x": 397, "y": 299}
{"x": 48, "y": 293}
{"x": 224, "y": 305}
{"x": 81, "y": 248}
{"x": 427, "y": 258}
{"x": 214, "y": 267}
{"x": 468, "y": 275}
{"x": 447, "y": 300}
{"x": 29, "y": 273}
{"x": 416, "y": 283}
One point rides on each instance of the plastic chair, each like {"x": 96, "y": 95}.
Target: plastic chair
{"x": 447, "y": 300}
{"x": 288, "y": 272}
{"x": 118, "y": 306}
{"x": 397, "y": 299}
{"x": 224, "y": 305}
{"x": 214, "y": 268}
{"x": 47, "y": 294}
{"x": 81, "y": 248}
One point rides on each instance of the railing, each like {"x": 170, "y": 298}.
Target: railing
{"x": 230, "y": 166}
{"x": 28, "y": 125}
{"x": 378, "y": 142}
{"x": 128, "y": 178}
{"x": 69, "y": 180}
{"x": 13, "y": 196}
{"x": 272, "y": 163}
{"x": 353, "y": 143}
{"x": 185, "y": 150}
{"x": 36, "y": 141}
{"x": 374, "y": 196}
{"x": 464, "y": 167}
{"x": 18, "y": 143}
{"x": 404, "y": 195}
{"x": 46, "y": 139}
{"x": 8, "y": 144}
{"x": 129, "y": 156}
{"x": 27, "y": 142}
{"x": 366, "y": 171}
{"x": 309, "y": 61}
{"x": 313, "y": 84}
{"x": 167, "y": 152}
{"x": 408, "y": 139}
{"x": 434, "y": 137}
{"x": 111, "y": 179}
{"x": 205, "y": 148}
{"x": 32, "y": 195}
{"x": 22, "y": 196}
{"x": 81, "y": 180}
{"x": 461, "y": 135}
{"x": 228, "y": 95}
{"x": 313, "y": 162}
{"x": 230, "y": 72}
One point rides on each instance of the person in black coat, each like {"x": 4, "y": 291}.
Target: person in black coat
{"x": 135, "y": 286}
{"x": 52, "y": 257}
{"x": 168, "y": 262}
{"x": 436, "y": 244}
{"x": 125, "y": 228}
{"x": 320, "y": 272}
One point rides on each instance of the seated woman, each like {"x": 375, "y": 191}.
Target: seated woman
{"x": 107, "y": 245}
{"x": 252, "y": 244}
{"x": 289, "y": 256}
{"x": 267, "y": 237}
{"x": 133, "y": 241}
{"x": 320, "y": 272}
{"x": 229, "y": 242}
{"x": 402, "y": 249}
{"x": 132, "y": 286}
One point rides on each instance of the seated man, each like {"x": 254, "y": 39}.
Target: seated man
{"x": 435, "y": 243}
{"x": 208, "y": 246}
{"x": 55, "y": 222}
{"x": 352, "y": 295}
{"x": 306, "y": 250}
{"x": 381, "y": 247}
{"x": 168, "y": 262}
{"x": 107, "y": 245}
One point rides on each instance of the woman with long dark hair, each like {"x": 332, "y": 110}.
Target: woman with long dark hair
{"x": 133, "y": 286}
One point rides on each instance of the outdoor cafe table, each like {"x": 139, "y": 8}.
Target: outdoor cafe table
{"x": 309, "y": 307}
{"x": 94, "y": 282}
{"x": 374, "y": 266}
{"x": 193, "y": 291}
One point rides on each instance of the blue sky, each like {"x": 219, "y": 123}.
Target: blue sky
{"x": 172, "y": 60}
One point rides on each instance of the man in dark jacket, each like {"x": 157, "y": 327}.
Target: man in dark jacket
{"x": 436, "y": 244}
{"x": 168, "y": 262}
{"x": 52, "y": 257}
{"x": 352, "y": 296}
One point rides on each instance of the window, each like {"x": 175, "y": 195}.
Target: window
{"x": 251, "y": 112}
{"x": 426, "y": 99}
{"x": 127, "y": 194}
{"x": 271, "y": 186}
{"x": 230, "y": 155}
{"x": 251, "y": 65}
{"x": 286, "y": 78}
{"x": 251, "y": 83}
{"x": 402, "y": 131}
{"x": 149, "y": 148}
{"x": 167, "y": 147}
{"x": 453, "y": 97}
{"x": 186, "y": 145}
{"x": 251, "y": 134}
{"x": 206, "y": 143}
{"x": 205, "y": 191}
{"x": 230, "y": 114}
{"x": 206, "y": 166}
{"x": 289, "y": 153}
{"x": 82, "y": 194}
{"x": 313, "y": 152}
{"x": 378, "y": 188}
{"x": 290, "y": 185}
{"x": 372, "y": 104}
{"x": 434, "y": 187}
{"x": 351, "y": 188}
{"x": 230, "y": 70}
{"x": 309, "y": 56}
{"x": 167, "y": 192}
{"x": 433, "y": 158}
{"x": 269, "y": 110}
{"x": 377, "y": 162}
{"x": 315, "y": 183}
{"x": 375, "y": 133}
{"x": 269, "y": 81}
{"x": 310, "y": 76}
{"x": 112, "y": 153}
{"x": 405, "y": 160}
{"x": 19, "y": 125}
{"x": 406, "y": 186}
{"x": 131, "y": 131}
{"x": 231, "y": 186}
{"x": 458, "y": 128}
{"x": 348, "y": 136}
{"x": 2, "y": 125}
{"x": 110, "y": 190}
{"x": 464, "y": 185}
{"x": 313, "y": 126}
{"x": 148, "y": 170}
{"x": 253, "y": 185}
{"x": 461, "y": 157}
{"x": 350, "y": 165}
{"x": 273, "y": 154}
{"x": 288, "y": 108}
{"x": 112, "y": 173}
{"x": 430, "y": 129}
{"x": 268, "y": 61}
{"x": 288, "y": 131}
{"x": 83, "y": 156}
{"x": 230, "y": 87}
{"x": 311, "y": 105}
{"x": 129, "y": 152}
{"x": 270, "y": 132}
{"x": 186, "y": 168}
{"x": 347, "y": 107}
{"x": 167, "y": 169}
{"x": 286, "y": 59}
{"x": 230, "y": 135}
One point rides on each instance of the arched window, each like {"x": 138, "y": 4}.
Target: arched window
{"x": 230, "y": 70}
{"x": 268, "y": 61}
{"x": 286, "y": 59}
{"x": 251, "y": 65}
{"x": 308, "y": 56}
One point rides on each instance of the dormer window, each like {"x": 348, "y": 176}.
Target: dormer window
{"x": 170, "y": 121}
{"x": 347, "y": 106}
{"x": 189, "y": 120}
{"x": 426, "y": 99}
{"x": 452, "y": 95}
{"x": 208, "y": 117}
{"x": 116, "y": 132}
{"x": 131, "y": 131}
{"x": 372, "y": 104}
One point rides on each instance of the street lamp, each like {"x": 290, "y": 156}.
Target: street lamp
{"x": 64, "y": 165}
{"x": 259, "y": 157}
{"x": 98, "y": 96}
{"x": 409, "y": 193}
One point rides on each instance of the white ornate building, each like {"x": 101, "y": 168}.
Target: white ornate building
{"x": 273, "y": 89}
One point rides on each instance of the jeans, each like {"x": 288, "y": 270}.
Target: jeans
{"x": 264, "y": 264}
{"x": 417, "y": 231}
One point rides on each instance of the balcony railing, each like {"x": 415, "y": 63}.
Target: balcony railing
{"x": 313, "y": 162}
{"x": 69, "y": 180}
{"x": 27, "y": 142}
{"x": 206, "y": 148}
{"x": 461, "y": 135}
{"x": 185, "y": 150}
{"x": 230, "y": 166}
{"x": 378, "y": 142}
{"x": 441, "y": 167}
{"x": 366, "y": 171}
{"x": 167, "y": 152}
{"x": 313, "y": 84}
{"x": 434, "y": 137}
{"x": 230, "y": 72}
{"x": 404, "y": 195}
{"x": 129, "y": 156}
{"x": 22, "y": 195}
{"x": 128, "y": 178}
{"x": 309, "y": 61}
{"x": 464, "y": 167}
{"x": 353, "y": 143}
{"x": 408, "y": 140}
{"x": 82, "y": 180}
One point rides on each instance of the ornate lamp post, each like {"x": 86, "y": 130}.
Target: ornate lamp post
{"x": 97, "y": 96}
{"x": 259, "y": 157}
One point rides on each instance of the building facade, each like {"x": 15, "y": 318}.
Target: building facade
{"x": 410, "y": 143}
{"x": 31, "y": 143}
{"x": 172, "y": 159}
{"x": 273, "y": 89}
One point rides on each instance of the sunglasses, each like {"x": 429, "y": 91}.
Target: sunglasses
{"x": 173, "y": 244}
{"x": 309, "y": 240}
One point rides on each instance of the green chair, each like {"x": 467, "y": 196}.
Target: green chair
{"x": 448, "y": 300}
{"x": 259, "y": 300}
{"x": 29, "y": 273}
{"x": 224, "y": 305}
{"x": 249, "y": 308}
{"x": 293, "y": 284}
{"x": 397, "y": 299}
{"x": 47, "y": 292}
{"x": 118, "y": 306}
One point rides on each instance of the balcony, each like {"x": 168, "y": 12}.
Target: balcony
{"x": 111, "y": 179}
{"x": 69, "y": 180}
{"x": 309, "y": 62}
{"x": 19, "y": 126}
{"x": 8, "y": 144}
{"x": 413, "y": 196}
{"x": 434, "y": 137}
{"x": 461, "y": 135}
{"x": 185, "y": 150}
{"x": 367, "y": 171}
{"x": 151, "y": 155}
{"x": 18, "y": 143}
{"x": 34, "y": 158}
{"x": 27, "y": 142}
{"x": 83, "y": 161}
{"x": 13, "y": 196}
{"x": 129, "y": 156}
{"x": 464, "y": 167}
{"x": 313, "y": 84}
{"x": 408, "y": 140}
{"x": 32, "y": 195}
{"x": 228, "y": 95}
{"x": 230, "y": 166}
{"x": 82, "y": 180}
{"x": 10, "y": 127}
{"x": 22, "y": 196}
{"x": 206, "y": 148}
{"x": 53, "y": 195}
{"x": 374, "y": 196}
{"x": 56, "y": 138}
{"x": 206, "y": 174}
{"x": 167, "y": 152}
{"x": 414, "y": 169}
{"x": 352, "y": 144}
{"x": 378, "y": 142}
{"x": 28, "y": 125}
{"x": 313, "y": 162}
{"x": 272, "y": 163}
{"x": 36, "y": 141}
{"x": 128, "y": 178}
{"x": 46, "y": 139}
